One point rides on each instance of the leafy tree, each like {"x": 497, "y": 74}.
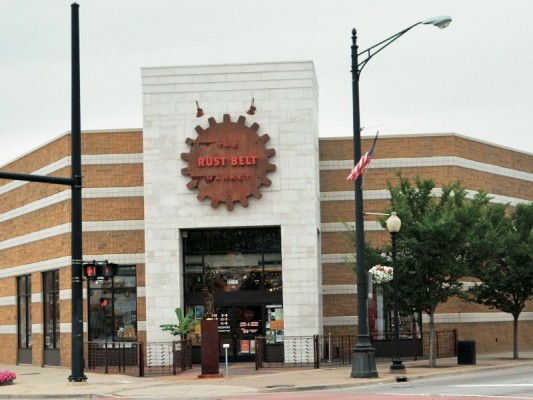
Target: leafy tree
{"x": 183, "y": 327}
{"x": 503, "y": 262}
{"x": 432, "y": 244}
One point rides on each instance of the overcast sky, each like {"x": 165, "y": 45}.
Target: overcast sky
{"x": 474, "y": 78}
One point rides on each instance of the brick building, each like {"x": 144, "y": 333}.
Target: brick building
{"x": 273, "y": 247}
{"x": 504, "y": 173}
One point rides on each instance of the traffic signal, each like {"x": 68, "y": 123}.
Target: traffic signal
{"x": 99, "y": 270}
{"x": 90, "y": 271}
{"x": 108, "y": 270}
{"x": 104, "y": 302}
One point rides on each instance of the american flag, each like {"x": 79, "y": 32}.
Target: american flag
{"x": 361, "y": 165}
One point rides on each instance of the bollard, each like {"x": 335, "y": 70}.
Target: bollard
{"x": 226, "y": 346}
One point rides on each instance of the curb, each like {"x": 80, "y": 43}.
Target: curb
{"x": 392, "y": 379}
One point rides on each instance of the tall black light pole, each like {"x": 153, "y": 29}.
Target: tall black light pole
{"x": 393, "y": 226}
{"x": 75, "y": 182}
{"x": 77, "y": 362}
{"x": 363, "y": 356}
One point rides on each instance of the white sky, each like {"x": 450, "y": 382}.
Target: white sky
{"x": 473, "y": 78}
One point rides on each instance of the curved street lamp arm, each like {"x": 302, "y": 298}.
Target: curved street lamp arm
{"x": 372, "y": 51}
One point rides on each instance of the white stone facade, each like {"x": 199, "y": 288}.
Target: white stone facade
{"x": 286, "y": 97}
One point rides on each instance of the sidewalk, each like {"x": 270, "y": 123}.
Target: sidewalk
{"x": 52, "y": 382}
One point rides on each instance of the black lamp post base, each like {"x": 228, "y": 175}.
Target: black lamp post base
{"x": 397, "y": 367}
{"x": 364, "y": 363}
{"x": 77, "y": 379}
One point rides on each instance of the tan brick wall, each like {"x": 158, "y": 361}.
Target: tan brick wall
{"x": 8, "y": 355}
{"x": 57, "y": 246}
{"x": 29, "y": 193}
{"x": 114, "y": 142}
{"x": 94, "y": 209}
{"x": 493, "y": 337}
{"x": 53, "y": 151}
{"x": 37, "y": 316}
{"x": 338, "y": 242}
{"x": 112, "y": 175}
{"x": 340, "y": 330}
{"x": 344, "y": 211}
{"x": 337, "y": 211}
{"x": 103, "y": 209}
{"x": 113, "y": 209}
{"x": 8, "y": 287}
{"x": 338, "y": 274}
{"x": 337, "y": 305}
{"x": 132, "y": 242}
{"x": 8, "y": 316}
{"x": 44, "y": 218}
{"x": 376, "y": 179}
{"x": 490, "y": 338}
{"x": 428, "y": 146}
{"x": 114, "y": 242}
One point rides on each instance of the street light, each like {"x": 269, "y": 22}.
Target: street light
{"x": 393, "y": 226}
{"x": 363, "y": 356}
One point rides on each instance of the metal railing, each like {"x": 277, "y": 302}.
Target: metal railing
{"x": 139, "y": 359}
{"x": 307, "y": 351}
{"x": 167, "y": 358}
{"x": 294, "y": 351}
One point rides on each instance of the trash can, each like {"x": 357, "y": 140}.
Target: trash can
{"x": 466, "y": 352}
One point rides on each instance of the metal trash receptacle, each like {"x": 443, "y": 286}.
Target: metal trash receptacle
{"x": 466, "y": 352}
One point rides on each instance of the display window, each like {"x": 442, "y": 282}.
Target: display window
{"x": 113, "y": 307}
{"x": 247, "y": 259}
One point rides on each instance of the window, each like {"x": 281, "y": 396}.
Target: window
{"x": 24, "y": 311}
{"x": 113, "y": 307}
{"x": 241, "y": 259}
{"x": 51, "y": 309}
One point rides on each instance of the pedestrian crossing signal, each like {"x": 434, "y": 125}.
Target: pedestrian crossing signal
{"x": 99, "y": 270}
{"x": 89, "y": 270}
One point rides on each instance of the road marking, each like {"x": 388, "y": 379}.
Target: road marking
{"x": 499, "y": 385}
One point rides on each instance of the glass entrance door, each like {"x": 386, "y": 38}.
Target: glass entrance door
{"x": 238, "y": 326}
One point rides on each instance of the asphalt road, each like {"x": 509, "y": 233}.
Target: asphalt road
{"x": 511, "y": 383}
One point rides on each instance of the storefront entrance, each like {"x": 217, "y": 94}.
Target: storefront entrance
{"x": 245, "y": 266}
{"x": 238, "y": 326}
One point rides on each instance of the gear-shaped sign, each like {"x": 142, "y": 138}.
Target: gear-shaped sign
{"x": 228, "y": 162}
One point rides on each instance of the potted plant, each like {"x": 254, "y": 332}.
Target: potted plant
{"x": 184, "y": 326}
{"x": 182, "y": 329}
{"x": 7, "y": 377}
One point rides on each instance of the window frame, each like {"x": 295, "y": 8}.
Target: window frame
{"x": 51, "y": 323}
{"x": 24, "y": 307}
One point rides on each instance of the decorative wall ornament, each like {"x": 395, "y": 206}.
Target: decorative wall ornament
{"x": 228, "y": 162}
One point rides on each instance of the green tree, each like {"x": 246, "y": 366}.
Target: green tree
{"x": 502, "y": 260}
{"x": 432, "y": 244}
{"x": 184, "y": 326}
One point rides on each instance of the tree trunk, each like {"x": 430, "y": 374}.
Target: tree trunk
{"x": 432, "y": 341}
{"x": 515, "y": 336}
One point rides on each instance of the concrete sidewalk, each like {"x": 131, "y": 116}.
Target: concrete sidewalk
{"x": 52, "y": 382}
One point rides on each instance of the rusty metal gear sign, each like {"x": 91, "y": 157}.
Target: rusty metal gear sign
{"x": 228, "y": 162}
